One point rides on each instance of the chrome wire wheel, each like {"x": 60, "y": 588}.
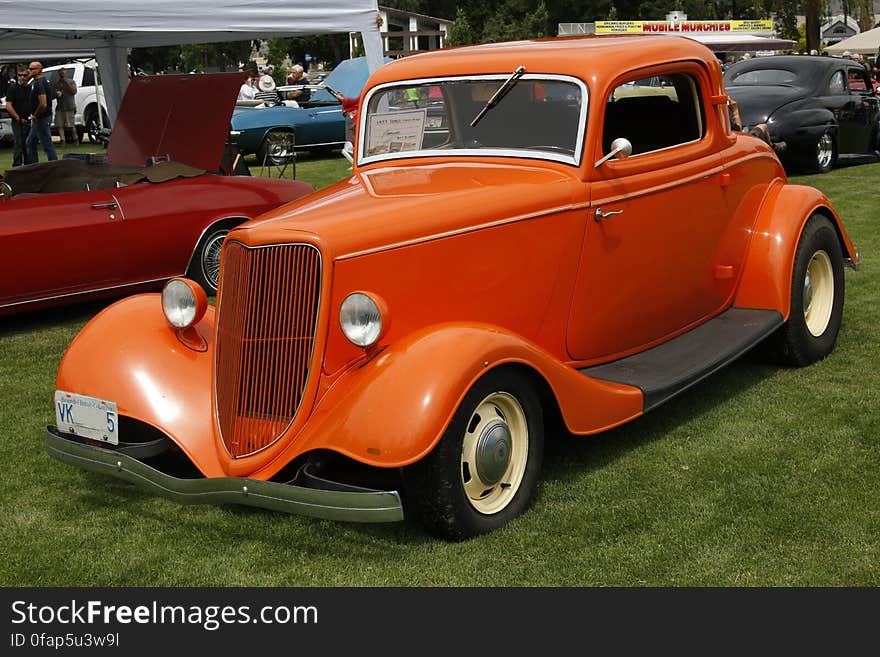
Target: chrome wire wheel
{"x": 818, "y": 293}
{"x": 825, "y": 151}
{"x": 494, "y": 453}
{"x": 210, "y": 260}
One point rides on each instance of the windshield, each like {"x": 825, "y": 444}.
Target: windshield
{"x": 764, "y": 76}
{"x": 539, "y": 117}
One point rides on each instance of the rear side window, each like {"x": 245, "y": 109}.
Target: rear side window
{"x": 655, "y": 113}
{"x": 837, "y": 85}
{"x": 88, "y": 77}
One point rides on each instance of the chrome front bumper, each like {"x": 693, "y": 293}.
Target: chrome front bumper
{"x": 352, "y": 505}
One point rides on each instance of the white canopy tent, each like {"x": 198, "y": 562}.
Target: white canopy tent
{"x": 865, "y": 43}
{"x": 39, "y": 28}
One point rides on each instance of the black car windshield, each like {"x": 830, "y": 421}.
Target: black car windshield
{"x": 539, "y": 117}
{"x": 762, "y": 76}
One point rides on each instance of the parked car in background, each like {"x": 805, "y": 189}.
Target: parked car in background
{"x": 315, "y": 124}
{"x": 5, "y": 123}
{"x": 89, "y": 96}
{"x": 818, "y": 110}
{"x": 563, "y": 256}
{"x": 152, "y": 208}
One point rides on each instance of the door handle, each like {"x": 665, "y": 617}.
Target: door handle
{"x": 604, "y": 215}
{"x": 110, "y": 205}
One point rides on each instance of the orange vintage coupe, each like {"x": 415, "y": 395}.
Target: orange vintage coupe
{"x": 551, "y": 229}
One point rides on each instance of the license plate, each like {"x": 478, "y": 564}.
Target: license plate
{"x": 434, "y": 122}
{"x": 88, "y": 417}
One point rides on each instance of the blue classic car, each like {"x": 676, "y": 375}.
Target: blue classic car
{"x": 316, "y": 123}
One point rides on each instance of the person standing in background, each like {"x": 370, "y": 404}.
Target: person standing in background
{"x": 41, "y": 116}
{"x": 65, "y": 109}
{"x": 18, "y": 104}
{"x": 4, "y": 79}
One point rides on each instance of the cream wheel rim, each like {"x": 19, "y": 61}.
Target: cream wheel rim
{"x": 494, "y": 453}
{"x": 818, "y": 293}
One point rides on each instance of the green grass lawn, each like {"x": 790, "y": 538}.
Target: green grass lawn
{"x": 759, "y": 476}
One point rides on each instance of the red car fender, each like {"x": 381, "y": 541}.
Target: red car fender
{"x": 130, "y": 355}
{"x": 393, "y": 409}
{"x": 766, "y": 281}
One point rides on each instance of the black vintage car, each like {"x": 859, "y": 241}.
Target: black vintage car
{"x": 817, "y": 109}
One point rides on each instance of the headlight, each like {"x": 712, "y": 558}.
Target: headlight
{"x": 184, "y": 302}
{"x": 361, "y": 318}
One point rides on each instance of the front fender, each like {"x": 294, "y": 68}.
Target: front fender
{"x": 129, "y": 354}
{"x": 392, "y": 410}
{"x": 766, "y": 281}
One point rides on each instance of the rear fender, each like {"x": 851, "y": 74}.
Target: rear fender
{"x": 393, "y": 409}
{"x": 130, "y": 355}
{"x": 766, "y": 281}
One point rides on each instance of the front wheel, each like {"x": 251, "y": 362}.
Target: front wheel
{"x": 484, "y": 471}
{"x": 817, "y": 289}
{"x": 276, "y": 149}
{"x": 205, "y": 265}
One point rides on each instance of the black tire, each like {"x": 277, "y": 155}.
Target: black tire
{"x": 824, "y": 155}
{"x": 205, "y": 265}
{"x": 92, "y": 127}
{"x": 814, "y": 321}
{"x": 441, "y": 487}
{"x": 271, "y": 154}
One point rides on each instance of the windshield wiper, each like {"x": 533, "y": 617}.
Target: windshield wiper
{"x": 498, "y": 95}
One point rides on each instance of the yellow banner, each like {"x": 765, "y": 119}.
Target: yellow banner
{"x": 618, "y": 27}
{"x": 682, "y": 27}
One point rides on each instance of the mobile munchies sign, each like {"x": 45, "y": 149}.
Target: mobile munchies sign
{"x": 684, "y": 27}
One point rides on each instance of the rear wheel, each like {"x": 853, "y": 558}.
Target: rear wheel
{"x": 822, "y": 159}
{"x": 817, "y": 290}
{"x": 484, "y": 471}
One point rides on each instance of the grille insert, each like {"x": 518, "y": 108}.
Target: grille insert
{"x": 267, "y": 317}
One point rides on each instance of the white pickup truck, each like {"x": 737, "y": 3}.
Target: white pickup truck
{"x": 88, "y": 96}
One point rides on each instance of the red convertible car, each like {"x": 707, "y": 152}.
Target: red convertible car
{"x": 151, "y": 209}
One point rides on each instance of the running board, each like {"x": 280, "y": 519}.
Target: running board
{"x": 668, "y": 369}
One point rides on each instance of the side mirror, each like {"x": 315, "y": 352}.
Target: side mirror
{"x": 5, "y": 190}
{"x": 621, "y": 148}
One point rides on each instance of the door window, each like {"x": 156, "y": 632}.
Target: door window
{"x": 654, "y": 113}
{"x": 858, "y": 80}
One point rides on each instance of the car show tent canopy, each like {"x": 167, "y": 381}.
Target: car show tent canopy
{"x": 865, "y": 43}
{"x": 58, "y": 28}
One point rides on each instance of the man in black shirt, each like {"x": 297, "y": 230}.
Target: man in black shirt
{"x": 41, "y": 116}
{"x": 18, "y": 104}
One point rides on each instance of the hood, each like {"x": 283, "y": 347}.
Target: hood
{"x": 348, "y": 78}
{"x": 385, "y": 207}
{"x": 184, "y": 117}
{"x": 758, "y": 102}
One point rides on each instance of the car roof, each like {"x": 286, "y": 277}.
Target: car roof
{"x": 596, "y": 57}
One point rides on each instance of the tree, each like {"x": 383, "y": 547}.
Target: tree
{"x": 156, "y": 59}
{"x": 203, "y": 56}
{"x": 461, "y": 33}
{"x": 812, "y": 12}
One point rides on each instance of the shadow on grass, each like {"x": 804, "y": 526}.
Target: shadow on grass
{"x": 567, "y": 455}
{"x": 38, "y": 320}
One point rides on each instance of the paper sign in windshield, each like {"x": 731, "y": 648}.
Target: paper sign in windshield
{"x": 396, "y": 132}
